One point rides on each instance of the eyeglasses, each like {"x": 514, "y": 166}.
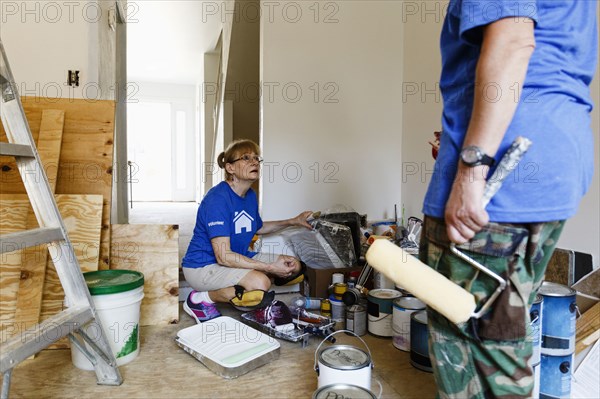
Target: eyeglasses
{"x": 248, "y": 158}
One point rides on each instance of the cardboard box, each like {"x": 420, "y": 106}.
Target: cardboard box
{"x": 317, "y": 281}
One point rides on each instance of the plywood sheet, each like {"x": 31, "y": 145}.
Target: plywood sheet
{"x": 152, "y": 250}
{"x": 13, "y": 214}
{"x": 82, "y": 216}
{"x": 33, "y": 266}
{"x": 85, "y": 165}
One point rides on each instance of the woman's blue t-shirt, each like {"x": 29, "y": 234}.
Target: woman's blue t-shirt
{"x": 223, "y": 213}
{"x": 553, "y": 111}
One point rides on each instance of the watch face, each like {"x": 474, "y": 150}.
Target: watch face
{"x": 471, "y": 155}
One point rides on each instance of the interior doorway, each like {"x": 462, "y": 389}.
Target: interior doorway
{"x": 161, "y": 145}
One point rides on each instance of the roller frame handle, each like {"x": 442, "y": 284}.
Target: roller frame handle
{"x": 510, "y": 160}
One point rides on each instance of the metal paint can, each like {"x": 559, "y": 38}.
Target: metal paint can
{"x": 403, "y": 308}
{"x": 558, "y": 319}
{"x": 555, "y": 376}
{"x": 380, "y": 281}
{"x": 419, "y": 347}
{"x": 343, "y": 391}
{"x": 339, "y": 289}
{"x": 356, "y": 319}
{"x": 344, "y": 364}
{"x": 325, "y": 307}
{"x": 535, "y": 315}
{"x": 338, "y": 309}
{"x": 380, "y": 304}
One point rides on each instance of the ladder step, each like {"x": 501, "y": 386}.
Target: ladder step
{"x": 30, "y": 342}
{"x": 16, "y": 150}
{"x": 23, "y": 239}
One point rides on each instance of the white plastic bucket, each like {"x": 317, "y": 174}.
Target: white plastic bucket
{"x": 117, "y": 297}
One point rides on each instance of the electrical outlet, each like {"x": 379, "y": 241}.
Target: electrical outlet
{"x": 73, "y": 78}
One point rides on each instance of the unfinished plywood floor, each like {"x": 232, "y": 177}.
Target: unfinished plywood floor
{"x": 163, "y": 370}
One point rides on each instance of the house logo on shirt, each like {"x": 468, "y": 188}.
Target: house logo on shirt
{"x": 242, "y": 221}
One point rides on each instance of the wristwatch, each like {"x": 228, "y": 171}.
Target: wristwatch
{"x": 474, "y": 156}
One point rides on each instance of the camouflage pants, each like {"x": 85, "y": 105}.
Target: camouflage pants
{"x": 489, "y": 357}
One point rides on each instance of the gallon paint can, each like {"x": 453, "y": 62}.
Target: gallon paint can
{"x": 117, "y": 297}
{"x": 535, "y": 315}
{"x": 380, "y": 304}
{"x": 558, "y": 319}
{"x": 555, "y": 376}
{"x": 338, "y": 309}
{"x": 356, "y": 319}
{"x": 403, "y": 308}
{"x": 419, "y": 347}
{"x": 536, "y": 381}
{"x": 343, "y": 364}
{"x": 341, "y": 391}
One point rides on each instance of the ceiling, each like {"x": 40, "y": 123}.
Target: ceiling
{"x": 166, "y": 39}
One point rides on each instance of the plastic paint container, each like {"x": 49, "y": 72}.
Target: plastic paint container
{"x": 380, "y": 311}
{"x": 558, "y": 319}
{"x": 117, "y": 297}
{"x": 403, "y": 308}
{"x": 343, "y": 391}
{"x": 338, "y": 309}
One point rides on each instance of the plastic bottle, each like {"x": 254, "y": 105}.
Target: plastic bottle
{"x": 306, "y": 302}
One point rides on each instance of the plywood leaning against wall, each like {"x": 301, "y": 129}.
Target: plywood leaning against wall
{"x": 86, "y": 157}
{"x": 153, "y": 250}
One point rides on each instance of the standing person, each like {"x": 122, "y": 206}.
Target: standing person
{"x": 509, "y": 68}
{"x": 219, "y": 264}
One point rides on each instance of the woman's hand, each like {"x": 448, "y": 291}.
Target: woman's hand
{"x": 285, "y": 266}
{"x": 301, "y": 220}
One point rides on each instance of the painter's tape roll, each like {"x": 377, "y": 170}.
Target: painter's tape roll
{"x": 449, "y": 299}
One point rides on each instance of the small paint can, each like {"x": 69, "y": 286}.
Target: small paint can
{"x": 555, "y": 376}
{"x": 379, "y": 306}
{"x": 419, "y": 347}
{"x": 325, "y": 307}
{"x": 356, "y": 319}
{"x": 535, "y": 315}
{"x": 558, "y": 319}
{"x": 338, "y": 309}
{"x": 343, "y": 391}
{"x": 337, "y": 278}
{"x": 344, "y": 364}
{"x": 403, "y": 308}
{"x": 339, "y": 289}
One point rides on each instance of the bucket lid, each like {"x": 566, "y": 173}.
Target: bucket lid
{"x": 344, "y": 357}
{"x": 103, "y": 282}
{"x": 343, "y": 391}
{"x": 554, "y": 289}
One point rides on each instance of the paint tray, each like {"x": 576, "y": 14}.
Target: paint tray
{"x": 296, "y": 334}
{"x": 227, "y": 347}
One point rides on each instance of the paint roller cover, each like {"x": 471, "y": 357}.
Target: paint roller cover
{"x": 449, "y": 299}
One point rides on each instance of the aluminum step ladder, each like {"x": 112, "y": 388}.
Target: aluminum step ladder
{"x": 52, "y": 231}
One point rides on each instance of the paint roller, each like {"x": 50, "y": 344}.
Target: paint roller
{"x": 454, "y": 302}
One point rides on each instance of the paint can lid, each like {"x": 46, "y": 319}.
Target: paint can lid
{"x": 103, "y": 282}
{"x": 554, "y": 289}
{"x": 344, "y": 357}
{"x": 409, "y": 302}
{"x": 384, "y": 293}
{"x": 343, "y": 391}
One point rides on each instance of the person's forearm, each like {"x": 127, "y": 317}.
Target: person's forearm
{"x": 274, "y": 226}
{"x": 501, "y": 69}
{"x": 233, "y": 259}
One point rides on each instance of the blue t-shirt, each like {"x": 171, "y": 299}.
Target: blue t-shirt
{"x": 223, "y": 213}
{"x": 553, "y": 110}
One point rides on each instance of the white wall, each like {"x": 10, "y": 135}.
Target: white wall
{"x": 421, "y": 116}
{"x": 44, "y": 40}
{"x": 339, "y": 141}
